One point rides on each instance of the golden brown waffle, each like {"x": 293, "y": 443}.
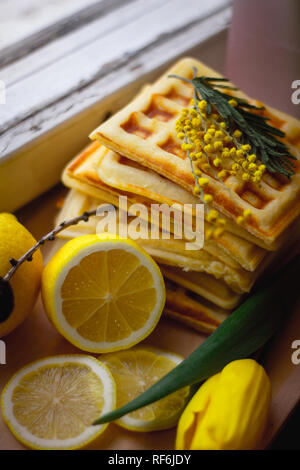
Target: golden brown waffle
{"x": 192, "y": 310}
{"x": 214, "y": 290}
{"x": 171, "y": 252}
{"x": 144, "y": 132}
{"x": 203, "y": 284}
{"x": 239, "y": 280}
{"x": 84, "y": 174}
{"x": 124, "y": 174}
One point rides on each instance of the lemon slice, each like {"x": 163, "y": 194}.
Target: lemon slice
{"x": 52, "y": 403}
{"x": 134, "y": 372}
{"x": 103, "y": 293}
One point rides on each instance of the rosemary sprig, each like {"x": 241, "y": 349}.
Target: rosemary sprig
{"x": 257, "y": 132}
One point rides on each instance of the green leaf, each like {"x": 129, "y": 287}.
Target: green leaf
{"x": 256, "y": 130}
{"x": 239, "y": 336}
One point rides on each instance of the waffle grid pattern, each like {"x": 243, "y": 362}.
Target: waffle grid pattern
{"x": 144, "y": 131}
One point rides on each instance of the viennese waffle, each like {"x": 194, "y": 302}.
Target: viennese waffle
{"x": 144, "y": 131}
{"x": 170, "y": 252}
{"x": 93, "y": 169}
{"x": 204, "y": 285}
{"x": 191, "y": 309}
{"x": 82, "y": 174}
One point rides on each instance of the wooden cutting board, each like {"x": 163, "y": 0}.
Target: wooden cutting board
{"x": 37, "y": 338}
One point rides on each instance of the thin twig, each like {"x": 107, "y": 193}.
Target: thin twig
{"x": 49, "y": 237}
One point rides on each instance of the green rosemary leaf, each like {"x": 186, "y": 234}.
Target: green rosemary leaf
{"x": 226, "y": 87}
{"x": 213, "y": 79}
{"x": 244, "y": 104}
{"x": 289, "y": 165}
{"x": 264, "y": 127}
{"x": 260, "y": 121}
{"x": 278, "y": 154}
{"x": 268, "y": 141}
{"x": 256, "y": 131}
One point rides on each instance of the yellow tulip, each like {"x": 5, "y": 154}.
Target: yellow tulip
{"x": 229, "y": 411}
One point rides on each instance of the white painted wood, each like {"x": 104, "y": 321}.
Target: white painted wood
{"x": 27, "y": 24}
{"x": 20, "y": 18}
{"x": 92, "y": 60}
{"x": 87, "y": 34}
{"x": 35, "y": 150}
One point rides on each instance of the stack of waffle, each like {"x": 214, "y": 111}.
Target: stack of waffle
{"x": 137, "y": 154}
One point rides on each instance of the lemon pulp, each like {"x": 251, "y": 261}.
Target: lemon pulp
{"x": 116, "y": 306}
{"x": 135, "y": 371}
{"x": 103, "y": 293}
{"x": 52, "y": 403}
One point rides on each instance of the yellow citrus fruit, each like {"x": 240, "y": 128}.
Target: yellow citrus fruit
{"x": 136, "y": 370}
{"x": 103, "y": 293}
{"x": 15, "y": 241}
{"x": 52, "y": 403}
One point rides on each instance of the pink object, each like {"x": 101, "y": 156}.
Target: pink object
{"x": 263, "y": 56}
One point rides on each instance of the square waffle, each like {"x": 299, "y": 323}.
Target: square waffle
{"x": 204, "y": 285}
{"x": 121, "y": 173}
{"x": 95, "y": 166}
{"x": 170, "y": 252}
{"x": 192, "y": 310}
{"x": 82, "y": 175}
{"x": 144, "y": 131}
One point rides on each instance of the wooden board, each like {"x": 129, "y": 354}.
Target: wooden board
{"x": 37, "y": 338}
{"x": 34, "y": 26}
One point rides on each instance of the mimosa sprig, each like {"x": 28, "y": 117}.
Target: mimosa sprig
{"x": 239, "y": 114}
{"x": 224, "y": 135}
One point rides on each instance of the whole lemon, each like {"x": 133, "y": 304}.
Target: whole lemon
{"x": 17, "y": 298}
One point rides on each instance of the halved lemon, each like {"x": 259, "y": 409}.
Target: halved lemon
{"x": 51, "y": 403}
{"x": 134, "y": 372}
{"x": 103, "y": 293}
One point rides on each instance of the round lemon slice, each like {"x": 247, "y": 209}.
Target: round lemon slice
{"x": 52, "y": 403}
{"x": 134, "y": 372}
{"x": 103, "y": 293}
